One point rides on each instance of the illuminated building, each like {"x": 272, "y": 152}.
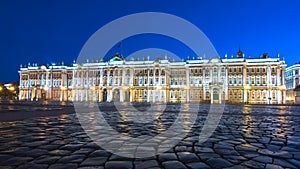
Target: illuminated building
{"x": 292, "y": 79}
{"x": 231, "y": 80}
{"x": 46, "y": 82}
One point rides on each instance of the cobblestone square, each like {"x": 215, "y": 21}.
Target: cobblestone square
{"x": 248, "y": 136}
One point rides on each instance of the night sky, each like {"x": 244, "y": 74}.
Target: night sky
{"x": 46, "y": 32}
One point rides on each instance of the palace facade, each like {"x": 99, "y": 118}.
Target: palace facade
{"x": 230, "y": 80}
{"x": 292, "y": 77}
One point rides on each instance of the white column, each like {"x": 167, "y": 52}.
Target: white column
{"x": 187, "y": 85}
{"x": 131, "y": 79}
{"x": 245, "y": 96}
{"x": 279, "y": 96}
{"x": 28, "y": 87}
{"x": 159, "y": 77}
{"x": 211, "y": 97}
{"x": 108, "y": 77}
{"x": 101, "y": 77}
{"x": 283, "y": 76}
{"x": 278, "y": 77}
{"x": 244, "y": 75}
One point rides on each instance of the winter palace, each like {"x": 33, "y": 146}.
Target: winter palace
{"x": 230, "y": 80}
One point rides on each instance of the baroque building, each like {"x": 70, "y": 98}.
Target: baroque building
{"x": 292, "y": 78}
{"x": 230, "y": 80}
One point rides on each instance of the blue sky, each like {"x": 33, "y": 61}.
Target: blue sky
{"x": 55, "y": 31}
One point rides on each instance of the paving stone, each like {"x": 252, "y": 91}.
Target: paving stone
{"x": 71, "y": 147}
{"x": 197, "y": 165}
{"x": 6, "y": 167}
{"x": 226, "y": 152}
{"x": 33, "y": 166}
{"x": 63, "y": 166}
{"x": 50, "y": 147}
{"x": 272, "y": 166}
{"x": 253, "y": 164}
{"x": 263, "y": 159}
{"x": 115, "y": 157}
{"x": 203, "y": 150}
{"x": 183, "y": 149}
{"x": 37, "y": 152}
{"x": 167, "y": 157}
{"x": 83, "y": 151}
{"x": 294, "y": 162}
{"x": 283, "y": 163}
{"x": 4, "y": 157}
{"x": 236, "y": 167}
{"x": 173, "y": 165}
{"x": 100, "y": 153}
{"x": 60, "y": 152}
{"x": 187, "y": 157}
{"x": 219, "y": 163}
{"x": 224, "y": 145}
{"x": 118, "y": 165}
{"x": 279, "y": 154}
{"x": 94, "y": 161}
{"x": 72, "y": 159}
{"x": 46, "y": 159}
{"x": 91, "y": 167}
{"x": 206, "y": 156}
{"x": 15, "y": 161}
{"x": 235, "y": 159}
{"x": 145, "y": 164}
{"x": 246, "y": 147}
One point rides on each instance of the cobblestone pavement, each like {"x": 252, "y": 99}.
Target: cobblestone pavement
{"x": 254, "y": 136}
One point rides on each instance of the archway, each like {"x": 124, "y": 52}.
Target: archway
{"x": 216, "y": 95}
{"x": 127, "y": 95}
{"x": 104, "y": 95}
{"x": 116, "y": 95}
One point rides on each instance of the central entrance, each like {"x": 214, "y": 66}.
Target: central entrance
{"x": 116, "y": 95}
{"x": 216, "y": 95}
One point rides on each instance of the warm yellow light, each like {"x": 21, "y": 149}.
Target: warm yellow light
{"x": 1, "y": 88}
{"x": 247, "y": 87}
{"x": 45, "y": 88}
{"x": 12, "y": 88}
{"x": 63, "y": 88}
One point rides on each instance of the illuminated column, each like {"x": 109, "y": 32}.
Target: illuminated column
{"x": 283, "y": 76}
{"x": 123, "y": 77}
{"x": 159, "y": 77}
{"x": 154, "y": 77}
{"x": 147, "y": 96}
{"x": 244, "y": 75}
{"x": 100, "y": 95}
{"x": 279, "y": 96}
{"x": 226, "y": 83}
{"x": 148, "y": 77}
{"x": 131, "y": 80}
{"x": 28, "y": 87}
{"x": 284, "y": 96}
{"x": 121, "y": 95}
{"x": 278, "y": 80}
{"x": 108, "y": 77}
{"x": 245, "y": 96}
{"x": 269, "y": 84}
{"x": 187, "y": 85}
{"x": 131, "y": 95}
{"x": 154, "y": 94}
{"x": 212, "y": 96}
{"x": 20, "y": 87}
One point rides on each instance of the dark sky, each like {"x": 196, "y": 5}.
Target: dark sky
{"x": 55, "y": 31}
